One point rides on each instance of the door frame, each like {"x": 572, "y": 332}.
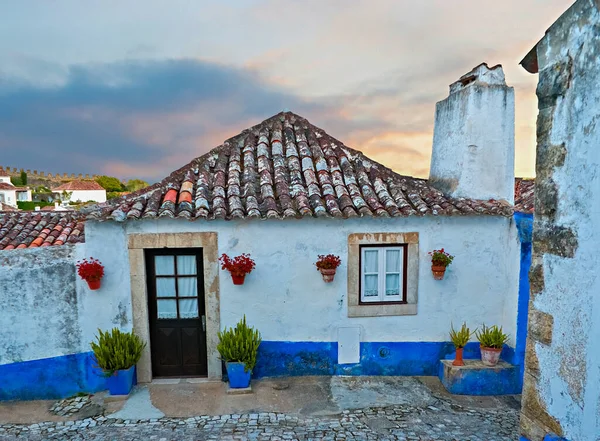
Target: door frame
{"x": 137, "y": 243}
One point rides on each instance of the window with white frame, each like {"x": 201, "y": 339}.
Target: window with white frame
{"x": 383, "y": 274}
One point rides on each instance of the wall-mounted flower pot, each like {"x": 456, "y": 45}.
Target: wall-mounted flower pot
{"x": 238, "y": 280}
{"x": 490, "y": 356}
{"x": 328, "y": 274}
{"x": 121, "y": 382}
{"x": 94, "y": 284}
{"x": 238, "y": 377}
{"x": 458, "y": 358}
{"x": 438, "y": 272}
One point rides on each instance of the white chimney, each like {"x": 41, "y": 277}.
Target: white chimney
{"x": 474, "y": 137}
{"x": 36, "y": 208}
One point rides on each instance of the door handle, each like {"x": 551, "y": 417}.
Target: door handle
{"x": 203, "y": 323}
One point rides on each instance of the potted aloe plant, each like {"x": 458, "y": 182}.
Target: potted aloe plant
{"x": 117, "y": 353}
{"x": 492, "y": 341}
{"x": 238, "y": 348}
{"x": 440, "y": 260}
{"x": 327, "y": 265}
{"x": 460, "y": 339}
{"x": 91, "y": 271}
{"x": 238, "y": 267}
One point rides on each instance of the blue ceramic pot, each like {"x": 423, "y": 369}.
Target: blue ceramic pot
{"x": 121, "y": 382}
{"x": 238, "y": 379}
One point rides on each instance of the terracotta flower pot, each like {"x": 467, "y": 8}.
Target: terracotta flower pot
{"x": 458, "y": 358}
{"x": 438, "y": 271}
{"x": 328, "y": 274}
{"x": 93, "y": 284}
{"x": 237, "y": 279}
{"x": 490, "y": 356}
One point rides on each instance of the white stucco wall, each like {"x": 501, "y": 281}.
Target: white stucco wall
{"x": 8, "y": 197}
{"x": 88, "y": 195}
{"x": 474, "y": 138}
{"x": 286, "y": 298}
{"x": 569, "y": 367}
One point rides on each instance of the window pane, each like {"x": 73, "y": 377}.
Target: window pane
{"x": 188, "y": 286}
{"x": 371, "y": 263}
{"x": 392, "y": 261}
{"x": 165, "y": 265}
{"x": 167, "y": 309}
{"x": 186, "y": 264}
{"x": 371, "y": 286}
{"x": 188, "y": 308}
{"x": 392, "y": 284}
{"x": 165, "y": 287}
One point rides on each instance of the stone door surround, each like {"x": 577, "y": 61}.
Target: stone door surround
{"x": 137, "y": 243}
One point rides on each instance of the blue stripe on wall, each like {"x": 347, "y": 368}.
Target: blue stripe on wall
{"x": 50, "y": 378}
{"x": 281, "y": 358}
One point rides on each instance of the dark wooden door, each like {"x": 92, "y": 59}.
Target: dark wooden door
{"x": 177, "y": 312}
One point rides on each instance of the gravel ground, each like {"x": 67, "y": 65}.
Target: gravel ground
{"x": 447, "y": 421}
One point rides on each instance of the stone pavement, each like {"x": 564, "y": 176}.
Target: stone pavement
{"x": 367, "y": 408}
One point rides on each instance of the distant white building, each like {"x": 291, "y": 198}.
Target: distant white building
{"x": 9, "y": 193}
{"x": 82, "y": 191}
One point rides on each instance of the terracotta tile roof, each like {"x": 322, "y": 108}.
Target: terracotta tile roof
{"x": 524, "y": 195}
{"x": 79, "y": 185}
{"x": 287, "y": 168}
{"x": 36, "y": 229}
{"x": 7, "y": 186}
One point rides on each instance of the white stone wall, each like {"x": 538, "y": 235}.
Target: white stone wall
{"x": 474, "y": 137}
{"x": 287, "y": 299}
{"x": 88, "y": 195}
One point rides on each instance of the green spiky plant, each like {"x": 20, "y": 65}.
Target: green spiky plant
{"x": 116, "y": 350}
{"x": 492, "y": 337}
{"x": 461, "y": 337}
{"x": 240, "y": 344}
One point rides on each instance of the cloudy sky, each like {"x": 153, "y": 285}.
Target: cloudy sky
{"x": 139, "y": 88}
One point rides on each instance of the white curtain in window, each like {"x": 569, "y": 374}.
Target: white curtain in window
{"x": 167, "y": 309}
{"x": 188, "y": 308}
{"x": 165, "y": 287}
{"x": 392, "y": 258}
{"x": 392, "y": 265}
{"x": 164, "y": 265}
{"x": 371, "y": 261}
{"x": 187, "y": 286}
{"x": 186, "y": 265}
{"x": 371, "y": 265}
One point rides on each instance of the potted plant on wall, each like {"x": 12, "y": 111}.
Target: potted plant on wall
{"x": 238, "y": 347}
{"x": 460, "y": 339}
{"x": 117, "y": 353}
{"x": 239, "y": 266}
{"x": 440, "y": 260}
{"x": 91, "y": 271}
{"x": 492, "y": 341}
{"x": 327, "y": 265}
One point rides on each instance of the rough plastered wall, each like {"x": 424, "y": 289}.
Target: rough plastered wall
{"x": 562, "y": 380}
{"x": 49, "y": 317}
{"x": 474, "y": 137}
{"x": 287, "y": 299}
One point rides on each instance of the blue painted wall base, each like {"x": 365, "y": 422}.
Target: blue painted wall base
{"x": 476, "y": 379}
{"x": 50, "y": 378}
{"x": 280, "y": 358}
{"x": 549, "y": 437}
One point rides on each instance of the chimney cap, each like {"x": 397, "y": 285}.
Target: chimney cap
{"x": 481, "y": 74}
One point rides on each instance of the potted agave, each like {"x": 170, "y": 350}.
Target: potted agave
{"x": 239, "y": 266}
{"x": 460, "y": 339}
{"x": 91, "y": 271}
{"x": 440, "y": 260}
{"x": 238, "y": 348}
{"x": 327, "y": 265}
{"x": 492, "y": 341}
{"x": 117, "y": 353}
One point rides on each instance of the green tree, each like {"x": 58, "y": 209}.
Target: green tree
{"x": 23, "y": 177}
{"x": 16, "y": 181}
{"x": 136, "y": 184}
{"x": 110, "y": 183}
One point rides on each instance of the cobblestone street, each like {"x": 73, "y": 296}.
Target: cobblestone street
{"x": 447, "y": 421}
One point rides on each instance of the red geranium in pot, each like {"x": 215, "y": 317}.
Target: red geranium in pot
{"x": 327, "y": 265}
{"x": 239, "y": 266}
{"x": 440, "y": 259}
{"x": 91, "y": 270}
